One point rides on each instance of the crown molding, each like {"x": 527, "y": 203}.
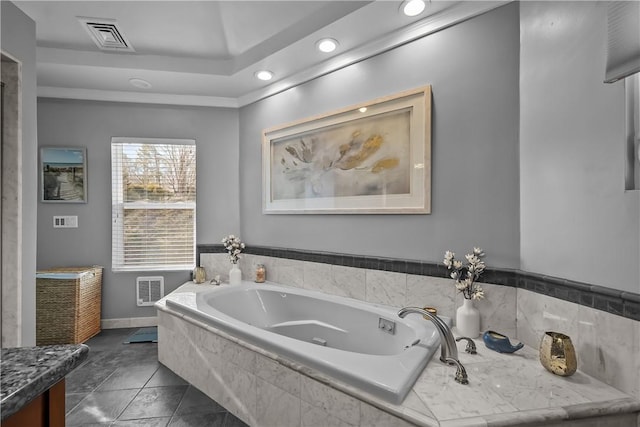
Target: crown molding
{"x": 136, "y": 97}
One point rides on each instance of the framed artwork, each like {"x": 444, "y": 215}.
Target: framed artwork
{"x": 371, "y": 158}
{"x": 63, "y": 175}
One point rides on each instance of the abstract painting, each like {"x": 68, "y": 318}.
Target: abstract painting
{"x": 368, "y": 158}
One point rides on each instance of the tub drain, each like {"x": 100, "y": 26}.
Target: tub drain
{"x": 319, "y": 341}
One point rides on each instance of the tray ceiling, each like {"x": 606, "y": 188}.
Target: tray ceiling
{"x": 207, "y": 52}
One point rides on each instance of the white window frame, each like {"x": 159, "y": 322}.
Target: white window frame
{"x": 118, "y": 206}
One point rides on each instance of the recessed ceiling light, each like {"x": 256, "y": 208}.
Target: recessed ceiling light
{"x": 412, "y": 7}
{"x": 140, "y": 83}
{"x": 362, "y": 109}
{"x": 327, "y": 45}
{"x": 264, "y": 75}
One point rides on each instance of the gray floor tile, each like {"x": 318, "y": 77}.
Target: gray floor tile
{"x": 127, "y": 355}
{"x": 198, "y": 420}
{"x": 135, "y": 376}
{"x": 134, "y": 395}
{"x": 100, "y": 407}
{"x": 146, "y": 422}
{"x": 107, "y": 339}
{"x": 196, "y": 402}
{"x": 88, "y": 377}
{"x": 71, "y": 400}
{"x": 233, "y": 421}
{"x": 154, "y": 402}
{"x": 164, "y": 377}
{"x": 92, "y": 425}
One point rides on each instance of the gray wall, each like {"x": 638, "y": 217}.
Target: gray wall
{"x": 18, "y": 37}
{"x": 577, "y": 222}
{"x": 473, "y": 70}
{"x": 553, "y": 204}
{"x": 91, "y": 125}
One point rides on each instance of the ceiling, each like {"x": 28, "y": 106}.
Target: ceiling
{"x": 207, "y": 52}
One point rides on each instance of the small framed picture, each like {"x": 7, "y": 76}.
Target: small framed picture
{"x": 63, "y": 173}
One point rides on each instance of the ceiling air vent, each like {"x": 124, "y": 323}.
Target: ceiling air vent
{"x": 106, "y": 34}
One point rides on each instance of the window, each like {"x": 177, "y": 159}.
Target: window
{"x": 153, "y": 198}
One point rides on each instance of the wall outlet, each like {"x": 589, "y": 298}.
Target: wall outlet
{"x": 69, "y": 221}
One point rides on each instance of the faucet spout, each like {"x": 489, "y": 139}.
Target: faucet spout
{"x": 448, "y": 348}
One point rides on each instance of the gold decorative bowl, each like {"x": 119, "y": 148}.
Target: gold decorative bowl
{"x": 557, "y": 354}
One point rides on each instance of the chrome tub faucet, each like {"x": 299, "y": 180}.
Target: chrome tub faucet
{"x": 448, "y": 348}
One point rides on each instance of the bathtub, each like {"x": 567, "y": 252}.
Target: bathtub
{"x": 361, "y": 344}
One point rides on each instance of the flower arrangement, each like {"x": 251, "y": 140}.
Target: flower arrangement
{"x": 466, "y": 275}
{"x": 234, "y": 247}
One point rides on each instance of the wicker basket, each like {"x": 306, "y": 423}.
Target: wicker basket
{"x": 68, "y": 306}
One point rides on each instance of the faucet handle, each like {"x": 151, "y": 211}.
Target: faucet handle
{"x": 461, "y": 373}
{"x": 471, "y": 345}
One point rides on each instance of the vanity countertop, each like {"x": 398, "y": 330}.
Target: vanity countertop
{"x": 27, "y": 372}
{"x": 503, "y": 390}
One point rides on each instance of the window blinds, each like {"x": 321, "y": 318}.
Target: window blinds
{"x": 153, "y": 204}
{"x": 623, "y": 46}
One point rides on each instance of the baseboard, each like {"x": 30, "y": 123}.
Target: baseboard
{"x": 131, "y": 322}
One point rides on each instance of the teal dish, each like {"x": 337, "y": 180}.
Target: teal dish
{"x": 500, "y": 343}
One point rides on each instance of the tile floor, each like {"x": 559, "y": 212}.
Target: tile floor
{"x": 125, "y": 385}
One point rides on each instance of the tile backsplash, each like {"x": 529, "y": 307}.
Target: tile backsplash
{"x": 516, "y": 304}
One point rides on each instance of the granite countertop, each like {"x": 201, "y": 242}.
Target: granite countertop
{"x": 503, "y": 390}
{"x": 27, "y": 372}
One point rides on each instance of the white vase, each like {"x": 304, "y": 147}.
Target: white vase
{"x": 468, "y": 319}
{"x": 235, "y": 275}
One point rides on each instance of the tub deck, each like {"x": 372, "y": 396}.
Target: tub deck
{"x": 265, "y": 388}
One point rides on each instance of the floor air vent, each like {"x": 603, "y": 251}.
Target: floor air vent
{"x": 106, "y": 34}
{"x": 149, "y": 289}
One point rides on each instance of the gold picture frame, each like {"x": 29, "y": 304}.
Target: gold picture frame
{"x": 370, "y": 158}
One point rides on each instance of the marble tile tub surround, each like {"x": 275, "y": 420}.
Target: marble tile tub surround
{"x": 607, "y": 343}
{"x": 373, "y": 285}
{"x": 625, "y": 304}
{"x": 263, "y": 388}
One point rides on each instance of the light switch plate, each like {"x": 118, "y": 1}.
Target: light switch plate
{"x": 68, "y": 221}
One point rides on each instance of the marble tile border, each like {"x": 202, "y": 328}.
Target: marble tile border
{"x": 625, "y": 304}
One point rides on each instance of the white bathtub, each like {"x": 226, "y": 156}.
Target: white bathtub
{"x": 338, "y": 336}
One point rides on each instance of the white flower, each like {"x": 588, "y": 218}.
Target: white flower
{"x": 465, "y": 276}
{"x": 478, "y": 293}
{"x": 472, "y": 258}
{"x": 233, "y": 246}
